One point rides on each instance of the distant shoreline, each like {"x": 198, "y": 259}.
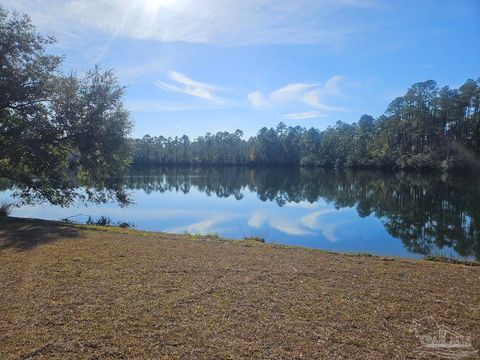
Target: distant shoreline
{"x": 387, "y": 169}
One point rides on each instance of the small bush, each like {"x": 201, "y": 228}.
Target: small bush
{"x": 102, "y": 221}
{"x": 125, "y": 225}
{"x": 199, "y": 234}
{"x": 6, "y": 208}
{"x": 212, "y": 235}
{"x": 106, "y": 221}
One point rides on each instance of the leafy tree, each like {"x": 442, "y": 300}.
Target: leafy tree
{"x": 58, "y": 132}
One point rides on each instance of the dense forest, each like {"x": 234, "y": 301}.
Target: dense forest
{"x": 428, "y": 127}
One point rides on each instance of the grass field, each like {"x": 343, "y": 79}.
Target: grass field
{"x": 93, "y": 292}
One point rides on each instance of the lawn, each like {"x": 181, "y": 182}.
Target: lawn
{"x": 94, "y": 292}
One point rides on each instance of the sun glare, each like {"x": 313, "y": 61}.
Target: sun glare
{"x": 152, "y": 6}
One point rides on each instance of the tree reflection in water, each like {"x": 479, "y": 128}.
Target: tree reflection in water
{"x": 425, "y": 211}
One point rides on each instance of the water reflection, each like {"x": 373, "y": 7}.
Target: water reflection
{"x": 373, "y": 211}
{"x": 426, "y": 211}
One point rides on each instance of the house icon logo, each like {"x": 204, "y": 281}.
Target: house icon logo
{"x": 441, "y": 341}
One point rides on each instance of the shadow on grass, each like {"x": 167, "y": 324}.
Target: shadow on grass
{"x": 25, "y": 234}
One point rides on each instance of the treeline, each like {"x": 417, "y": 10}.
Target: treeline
{"x": 428, "y": 127}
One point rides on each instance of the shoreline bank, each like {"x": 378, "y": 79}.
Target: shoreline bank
{"x": 79, "y": 291}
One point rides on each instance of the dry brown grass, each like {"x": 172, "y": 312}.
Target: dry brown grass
{"x": 83, "y": 292}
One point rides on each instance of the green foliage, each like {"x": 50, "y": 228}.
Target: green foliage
{"x": 425, "y": 128}
{"x": 106, "y": 221}
{"x": 56, "y": 131}
{"x": 102, "y": 221}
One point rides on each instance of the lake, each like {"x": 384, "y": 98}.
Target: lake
{"x": 385, "y": 213}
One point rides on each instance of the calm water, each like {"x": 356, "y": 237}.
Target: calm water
{"x": 401, "y": 214}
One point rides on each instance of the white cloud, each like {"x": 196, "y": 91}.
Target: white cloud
{"x": 202, "y": 96}
{"x": 180, "y": 83}
{"x": 331, "y": 87}
{"x": 257, "y": 100}
{"x": 128, "y": 73}
{"x": 207, "y": 225}
{"x": 201, "y": 227}
{"x": 257, "y": 219}
{"x": 304, "y": 115}
{"x": 220, "y": 22}
{"x": 182, "y": 79}
{"x": 308, "y": 224}
{"x": 310, "y": 220}
{"x": 286, "y": 225}
{"x": 311, "y": 94}
{"x": 290, "y": 92}
{"x": 313, "y": 98}
{"x": 303, "y": 225}
{"x": 328, "y": 228}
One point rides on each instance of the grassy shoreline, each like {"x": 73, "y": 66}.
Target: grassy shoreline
{"x": 76, "y": 291}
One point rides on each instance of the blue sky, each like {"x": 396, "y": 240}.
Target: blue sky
{"x": 194, "y": 66}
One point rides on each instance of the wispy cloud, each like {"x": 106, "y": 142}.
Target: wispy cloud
{"x": 131, "y": 72}
{"x": 290, "y": 92}
{"x": 331, "y": 86}
{"x": 313, "y": 98}
{"x": 311, "y": 223}
{"x": 311, "y": 94}
{"x": 206, "y": 96}
{"x": 184, "y": 85}
{"x": 220, "y": 22}
{"x": 310, "y": 220}
{"x": 203, "y": 96}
